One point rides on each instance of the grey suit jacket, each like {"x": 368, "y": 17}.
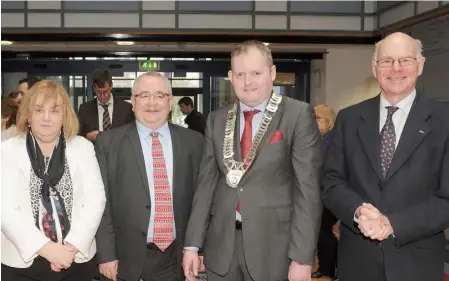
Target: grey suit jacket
{"x": 279, "y": 196}
{"x": 122, "y": 234}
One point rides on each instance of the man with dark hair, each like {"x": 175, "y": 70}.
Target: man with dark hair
{"x": 26, "y": 83}
{"x": 15, "y": 97}
{"x": 194, "y": 119}
{"x": 105, "y": 112}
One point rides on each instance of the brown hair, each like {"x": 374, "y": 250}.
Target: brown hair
{"x": 245, "y": 46}
{"x": 9, "y": 110}
{"x": 50, "y": 90}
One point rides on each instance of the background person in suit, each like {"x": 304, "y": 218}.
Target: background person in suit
{"x": 52, "y": 192}
{"x": 105, "y": 112}
{"x": 150, "y": 168}
{"x": 26, "y": 83}
{"x": 327, "y": 241}
{"x": 194, "y": 119}
{"x": 385, "y": 175}
{"x": 267, "y": 227}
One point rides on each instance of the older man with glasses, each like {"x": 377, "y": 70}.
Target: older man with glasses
{"x": 386, "y": 174}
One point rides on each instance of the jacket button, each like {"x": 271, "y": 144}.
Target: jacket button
{"x": 147, "y": 206}
{"x": 144, "y": 233}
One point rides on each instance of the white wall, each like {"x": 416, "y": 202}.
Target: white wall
{"x": 346, "y": 77}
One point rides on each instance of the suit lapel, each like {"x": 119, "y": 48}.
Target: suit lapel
{"x": 274, "y": 124}
{"x": 24, "y": 161}
{"x": 136, "y": 147}
{"x": 368, "y": 132}
{"x": 415, "y": 131}
{"x": 177, "y": 165}
{"x": 95, "y": 120}
{"x": 115, "y": 112}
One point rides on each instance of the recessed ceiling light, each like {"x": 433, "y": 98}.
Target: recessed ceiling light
{"x": 6, "y": 43}
{"x": 266, "y": 43}
{"x": 125, "y": 43}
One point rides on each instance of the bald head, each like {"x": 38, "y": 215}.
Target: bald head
{"x": 398, "y": 40}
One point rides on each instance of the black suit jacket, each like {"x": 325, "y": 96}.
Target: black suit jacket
{"x": 196, "y": 121}
{"x": 88, "y": 115}
{"x": 414, "y": 195}
{"x": 122, "y": 234}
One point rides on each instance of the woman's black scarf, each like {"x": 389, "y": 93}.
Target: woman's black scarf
{"x": 50, "y": 178}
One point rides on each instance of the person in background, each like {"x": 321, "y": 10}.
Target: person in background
{"x": 26, "y": 83}
{"x": 104, "y": 112}
{"x": 9, "y": 112}
{"x": 386, "y": 174}
{"x": 327, "y": 242}
{"x": 52, "y": 193}
{"x": 194, "y": 119}
{"x": 15, "y": 97}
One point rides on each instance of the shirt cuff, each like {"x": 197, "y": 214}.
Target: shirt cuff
{"x": 194, "y": 249}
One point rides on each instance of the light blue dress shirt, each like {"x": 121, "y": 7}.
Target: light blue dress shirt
{"x": 146, "y": 142}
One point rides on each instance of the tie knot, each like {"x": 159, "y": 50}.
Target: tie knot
{"x": 154, "y": 135}
{"x": 391, "y": 110}
{"x": 104, "y": 105}
{"x": 249, "y": 114}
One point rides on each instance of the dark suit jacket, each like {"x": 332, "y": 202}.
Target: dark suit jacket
{"x": 88, "y": 115}
{"x": 414, "y": 195}
{"x": 196, "y": 121}
{"x": 122, "y": 234}
{"x": 279, "y": 196}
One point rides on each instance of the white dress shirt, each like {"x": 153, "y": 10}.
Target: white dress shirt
{"x": 110, "y": 104}
{"x": 400, "y": 116}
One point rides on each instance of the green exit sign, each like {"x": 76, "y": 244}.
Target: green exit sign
{"x": 149, "y": 65}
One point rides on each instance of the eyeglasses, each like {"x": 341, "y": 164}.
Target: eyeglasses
{"x": 157, "y": 96}
{"x": 388, "y": 62}
{"x": 102, "y": 93}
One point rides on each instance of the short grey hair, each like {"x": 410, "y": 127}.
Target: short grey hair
{"x": 150, "y": 74}
{"x": 418, "y": 46}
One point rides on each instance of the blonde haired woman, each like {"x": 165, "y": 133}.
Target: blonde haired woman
{"x": 52, "y": 193}
{"x": 327, "y": 242}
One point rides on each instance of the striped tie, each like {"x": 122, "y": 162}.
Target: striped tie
{"x": 163, "y": 217}
{"x": 106, "y": 118}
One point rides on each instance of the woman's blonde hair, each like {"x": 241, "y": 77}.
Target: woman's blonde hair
{"x": 51, "y": 91}
{"x": 327, "y": 112}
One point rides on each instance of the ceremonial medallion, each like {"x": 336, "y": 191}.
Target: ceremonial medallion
{"x": 233, "y": 178}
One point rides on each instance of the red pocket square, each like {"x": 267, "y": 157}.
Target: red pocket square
{"x": 276, "y": 137}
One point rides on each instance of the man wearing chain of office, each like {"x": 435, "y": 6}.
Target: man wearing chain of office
{"x": 256, "y": 212}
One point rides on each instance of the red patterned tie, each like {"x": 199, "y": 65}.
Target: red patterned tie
{"x": 163, "y": 217}
{"x": 247, "y": 137}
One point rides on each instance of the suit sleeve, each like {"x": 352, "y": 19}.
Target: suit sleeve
{"x": 207, "y": 182}
{"x": 307, "y": 207}
{"x": 337, "y": 196}
{"x": 428, "y": 218}
{"x": 82, "y": 118}
{"x": 105, "y": 237}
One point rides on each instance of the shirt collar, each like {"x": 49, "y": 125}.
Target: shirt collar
{"x": 109, "y": 102}
{"x": 404, "y": 105}
{"x": 144, "y": 131}
{"x": 261, "y": 107}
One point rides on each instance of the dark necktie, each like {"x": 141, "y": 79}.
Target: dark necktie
{"x": 106, "y": 117}
{"x": 247, "y": 138}
{"x": 387, "y": 141}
